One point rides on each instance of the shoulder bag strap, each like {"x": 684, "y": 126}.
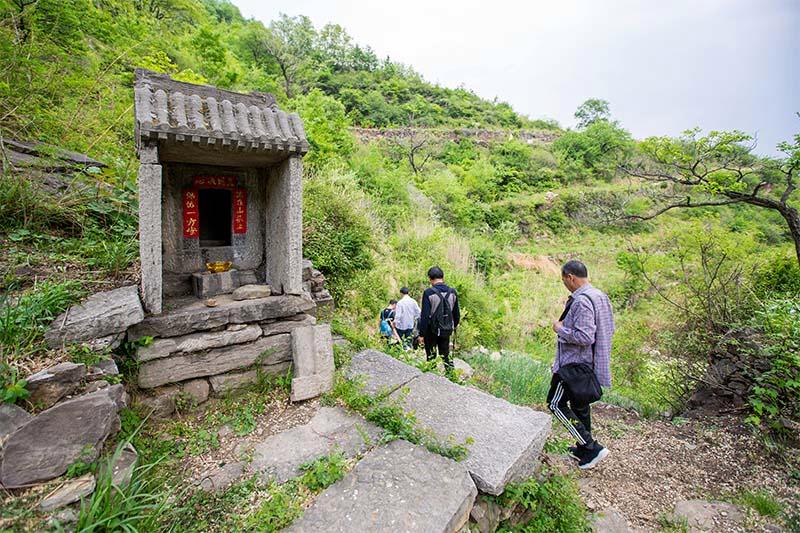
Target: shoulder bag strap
{"x": 594, "y": 311}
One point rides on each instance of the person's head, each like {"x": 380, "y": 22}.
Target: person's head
{"x": 392, "y": 304}
{"x": 404, "y": 291}
{"x": 574, "y": 275}
{"x": 436, "y": 275}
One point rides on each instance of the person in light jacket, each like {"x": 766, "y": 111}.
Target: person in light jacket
{"x": 407, "y": 313}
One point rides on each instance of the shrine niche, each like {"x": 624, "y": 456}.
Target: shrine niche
{"x": 220, "y": 183}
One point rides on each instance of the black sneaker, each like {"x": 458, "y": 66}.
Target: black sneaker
{"x": 591, "y": 457}
{"x": 575, "y": 452}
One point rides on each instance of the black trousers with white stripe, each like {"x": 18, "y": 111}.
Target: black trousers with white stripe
{"x": 576, "y": 418}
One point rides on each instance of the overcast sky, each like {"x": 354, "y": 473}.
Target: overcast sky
{"x": 664, "y": 66}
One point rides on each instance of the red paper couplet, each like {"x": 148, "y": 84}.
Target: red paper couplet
{"x": 191, "y": 214}
{"x": 240, "y": 211}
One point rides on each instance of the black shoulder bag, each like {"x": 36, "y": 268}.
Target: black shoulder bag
{"x": 580, "y": 379}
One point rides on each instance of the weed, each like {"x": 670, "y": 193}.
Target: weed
{"x": 14, "y": 389}
{"x": 555, "y": 444}
{"x": 761, "y": 501}
{"x": 78, "y": 353}
{"x": 84, "y": 464}
{"x": 141, "y": 505}
{"x": 518, "y": 378}
{"x": 555, "y": 503}
{"x": 672, "y": 524}
{"x": 323, "y": 472}
{"x": 184, "y": 402}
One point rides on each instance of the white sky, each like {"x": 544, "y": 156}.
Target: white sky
{"x": 665, "y": 66}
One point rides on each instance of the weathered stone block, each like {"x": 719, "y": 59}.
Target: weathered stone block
{"x": 198, "y": 389}
{"x": 44, "y": 447}
{"x": 225, "y": 383}
{"x": 312, "y": 352}
{"x": 380, "y": 373}
{"x": 100, "y": 315}
{"x": 160, "y": 402}
{"x": 398, "y": 487}
{"x": 51, "y": 384}
{"x": 461, "y": 413}
{"x": 332, "y": 428}
{"x": 11, "y": 417}
{"x": 196, "y": 342}
{"x": 206, "y": 284}
{"x": 265, "y": 351}
{"x": 248, "y": 277}
{"x": 251, "y": 292}
{"x": 68, "y": 493}
{"x": 150, "y": 228}
{"x": 195, "y": 316}
{"x": 276, "y": 327}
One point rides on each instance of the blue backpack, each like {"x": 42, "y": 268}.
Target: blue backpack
{"x": 386, "y": 327}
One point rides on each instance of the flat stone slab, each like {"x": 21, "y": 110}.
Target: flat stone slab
{"x": 265, "y": 351}
{"x": 399, "y": 487}
{"x": 380, "y": 373}
{"x": 332, "y": 429}
{"x": 69, "y": 492}
{"x": 507, "y": 439}
{"x": 100, "y": 315}
{"x": 190, "y": 315}
{"x": 702, "y": 516}
{"x": 196, "y": 342}
{"x": 11, "y": 417}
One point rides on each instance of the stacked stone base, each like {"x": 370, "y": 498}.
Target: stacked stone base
{"x": 192, "y": 351}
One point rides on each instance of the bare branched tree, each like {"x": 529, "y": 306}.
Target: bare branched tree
{"x": 719, "y": 169}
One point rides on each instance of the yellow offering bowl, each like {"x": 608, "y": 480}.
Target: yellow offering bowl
{"x": 219, "y": 266}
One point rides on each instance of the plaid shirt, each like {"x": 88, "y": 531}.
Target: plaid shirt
{"x": 581, "y": 329}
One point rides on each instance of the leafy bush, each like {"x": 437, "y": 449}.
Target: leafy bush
{"x": 337, "y": 236}
{"x": 326, "y": 126}
{"x": 594, "y": 152}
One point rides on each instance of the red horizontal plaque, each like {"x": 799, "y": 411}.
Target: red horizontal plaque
{"x": 215, "y": 182}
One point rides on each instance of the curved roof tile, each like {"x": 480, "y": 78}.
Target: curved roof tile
{"x": 174, "y": 111}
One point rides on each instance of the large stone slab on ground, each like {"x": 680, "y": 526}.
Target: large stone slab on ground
{"x": 54, "y": 439}
{"x": 196, "y": 342}
{"x": 399, "y": 487}
{"x": 51, "y": 384}
{"x": 380, "y": 373}
{"x": 332, "y": 429}
{"x": 703, "y": 516}
{"x": 100, "y": 315}
{"x": 506, "y": 438}
{"x": 190, "y": 314}
{"x": 265, "y": 351}
{"x": 312, "y": 357}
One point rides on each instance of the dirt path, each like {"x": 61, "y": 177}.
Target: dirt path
{"x": 655, "y": 464}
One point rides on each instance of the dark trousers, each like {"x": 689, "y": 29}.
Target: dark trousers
{"x": 405, "y": 335}
{"x": 441, "y": 345}
{"x": 576, "y": 418}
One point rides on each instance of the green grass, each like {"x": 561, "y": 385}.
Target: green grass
{"x": 762, "y": 502}
{"x": 555, "y": 503}
{"x": 519, "y": 378}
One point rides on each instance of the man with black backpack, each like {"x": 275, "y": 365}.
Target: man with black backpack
{"x": 583, "y": 361}
{"x": 439, "y": 317}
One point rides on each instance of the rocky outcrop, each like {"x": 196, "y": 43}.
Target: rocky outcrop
{"x": 99, "y": 316}
{"x": 399, "y": 487}
{"x": 48, "y": 443}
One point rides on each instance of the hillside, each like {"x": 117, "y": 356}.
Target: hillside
{"x": 403, "y": 174}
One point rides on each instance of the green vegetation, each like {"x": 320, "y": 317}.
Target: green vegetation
{"x": 762, "y": 502}
{"x": 554, "y": 504}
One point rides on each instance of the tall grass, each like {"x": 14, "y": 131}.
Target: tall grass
{"x": 517, "y": 377}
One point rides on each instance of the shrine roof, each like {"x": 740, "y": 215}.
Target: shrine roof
{"x": 203, "y": 116}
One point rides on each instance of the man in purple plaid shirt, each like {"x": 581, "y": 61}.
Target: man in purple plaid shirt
{"x": 584, "y": 331}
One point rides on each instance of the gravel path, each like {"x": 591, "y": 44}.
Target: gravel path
{"x": 654, "y": 464}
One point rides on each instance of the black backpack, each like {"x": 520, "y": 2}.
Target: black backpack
{"x": 442, "y": 318}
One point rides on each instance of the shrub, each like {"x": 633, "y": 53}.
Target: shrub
{"x": 326, "y": 127}
{"x": 555, "y": 503}
{"x": 594, "y": 152}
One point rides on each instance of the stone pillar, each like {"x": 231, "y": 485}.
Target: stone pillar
{"x": 150, "y": 227}
{"x": 284, "y": 227}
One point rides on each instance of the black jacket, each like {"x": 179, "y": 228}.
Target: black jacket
{"x": 427, "y": 307}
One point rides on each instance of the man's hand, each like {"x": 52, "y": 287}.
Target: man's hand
{"x": 557, "y": 325}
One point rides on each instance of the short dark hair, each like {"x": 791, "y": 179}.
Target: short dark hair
{"x": 404, "y": 290}
{"x": 392, "y": 302}
{"x": 576, "y": 268}
{"x": 435, "y": 273}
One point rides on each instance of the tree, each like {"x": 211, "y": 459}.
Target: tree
{"x": 595, "y": 152}
{"x": 719, "y": 169}
{"x": 591, "y": 111}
